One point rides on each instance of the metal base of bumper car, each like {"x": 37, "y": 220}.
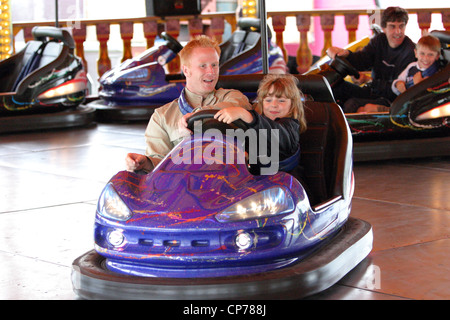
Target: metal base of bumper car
{"x": 91, "y": 280}
{"x": 80, "y": 116}
{"x": 111, "y": 112}
{"x": 401, "y": 149}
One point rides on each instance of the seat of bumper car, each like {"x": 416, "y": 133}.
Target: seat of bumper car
{"x": 36, "y": 59}
{"x": 326, "y": 152}
{"x": 444, "y": 38}
{"x": 37, "y": 54}
{"x": 233, "y": 46}
{"x": 315, "y": 87}
{"x": 243, "y": 39}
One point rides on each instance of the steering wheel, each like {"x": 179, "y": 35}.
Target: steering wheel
{"x": 343, "y": 67}
{"x": 207, "y": 116}
{"x": 173, "y": 43}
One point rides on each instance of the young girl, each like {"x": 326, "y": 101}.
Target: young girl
{"x": 279, "y": 106}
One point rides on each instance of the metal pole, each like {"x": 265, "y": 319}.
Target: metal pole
{"x": 264, "y": 40}
{"x": 56, "y": 14}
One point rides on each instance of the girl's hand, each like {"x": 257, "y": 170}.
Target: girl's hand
{"x": 230, "y": 114}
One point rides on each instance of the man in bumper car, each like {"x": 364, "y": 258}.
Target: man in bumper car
{"x": 200, "y": 64}
{"x": 387, "y": 55}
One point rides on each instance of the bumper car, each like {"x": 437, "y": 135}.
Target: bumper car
{"x": 134, "y": 88}
{"x": 417, "y": 124}
{"x": 43, "y": 85}
{"x": 200, "y": 227}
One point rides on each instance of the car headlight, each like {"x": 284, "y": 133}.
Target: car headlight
{"x": 64, "y": 89}
{"x": 267, "y": 203}
{"x": 111, "y": 206}
{"x": 438, "y": 112}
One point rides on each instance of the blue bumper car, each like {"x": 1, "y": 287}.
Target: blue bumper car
{"x": 200, "y": 227}
{"x": 132, "y": 90}
{"x": 43, "y": 85}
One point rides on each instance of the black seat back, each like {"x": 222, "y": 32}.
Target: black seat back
{"x": 245, "y": 38}
{"x": 57, "y": 45}
{"x": 39, "y": 55}
{"x": 444, "y": 37}
{"x": 51, "y": 51}
{"x": 232, "y": 46}
{"x": 251, "y": 40}
{"x": 46, "y": 53}
{"x": 314, "y": 86}
{"x": 326, "y": 152}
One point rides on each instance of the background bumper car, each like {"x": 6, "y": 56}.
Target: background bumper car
{"x": 132, "y": 90}
{"x": 417, "y": 124}
{"x": 200, "y": 229}
{"x": 43, "y": 85}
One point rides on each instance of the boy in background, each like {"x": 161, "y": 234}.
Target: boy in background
{"x": 427, "y": 52}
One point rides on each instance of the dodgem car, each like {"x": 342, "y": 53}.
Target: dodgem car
{"x": 43, "y": 85}
{"x": 133, "y": 89}
{"x": 417, "y": 123}
{"x": 200, "y": 226}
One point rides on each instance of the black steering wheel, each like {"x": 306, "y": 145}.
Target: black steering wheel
{"x": 343, "y": 67}
{"x": 207, "y": 116}
{"x": 173, "y": 43}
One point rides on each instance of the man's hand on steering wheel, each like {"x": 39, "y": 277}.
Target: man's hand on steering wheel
{"x": 183, "y": 125}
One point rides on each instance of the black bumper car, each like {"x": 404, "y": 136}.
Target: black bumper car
{"x": 418, "y": 122}
{"x": 43, "y": 85}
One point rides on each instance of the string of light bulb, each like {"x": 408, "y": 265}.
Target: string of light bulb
{"x": 5, "y": 30}
{"x": 249, "y": 8}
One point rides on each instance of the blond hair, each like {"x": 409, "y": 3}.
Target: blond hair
{"x": 201, "y": 41}
{"x": 284, "y": 85}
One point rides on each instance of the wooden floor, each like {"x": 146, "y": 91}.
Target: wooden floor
{"x": 50, "y": 182}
